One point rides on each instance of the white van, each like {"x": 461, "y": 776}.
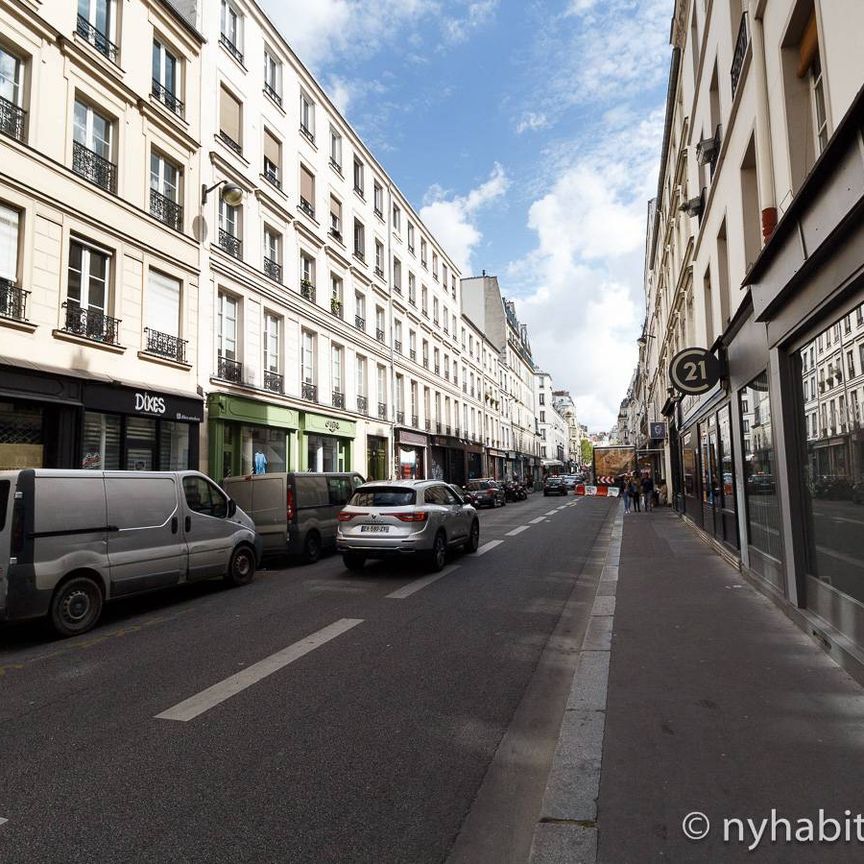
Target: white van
{"x": 69, "y": 540}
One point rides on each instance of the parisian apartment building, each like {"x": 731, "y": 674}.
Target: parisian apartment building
{"x": 203, "y": 265}
{"x": 754, "y": 251}
{"x": 552, "y": 424}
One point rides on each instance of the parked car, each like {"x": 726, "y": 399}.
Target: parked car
{"x": 419, "y": 517}
{"x": 554, "y": 486}
{"x": 295, "y": 512}
{"x": 486, "y": 493}
{"x": 70, "y": 540}
{"x": 569, "y": 481}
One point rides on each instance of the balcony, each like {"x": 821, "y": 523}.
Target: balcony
{"x": 382, "y": 410}
{"x": 397, "y": 346}
{"x": 167, "y": 98}
{"x": 379, "y": 272}
{"x": 437, "y": 369}
{"x": 336, "y": 234}
{"x": 230, "y": 143}
{"x": 166, "y": 211}
{"x": 741, "y": 44}
{"x": 12, "y": 119}
{"x": 274, "y": 382}
{"x": 335, "y": 166}
{"x": 273, "y": 270}
{"x": 272, "y": 177}
{"x": 427, "y": 425}
{"x": 362, "y": 405}
{"x": 456, "y": 432}
{"x": 425, "y": 362}
{"x": 359, "y": 323}
{"x": 231, "y": 48}
{"x": 271, "y": 92}
{"x": 438, "y": 428}
{"x": 165, "y": 345}
{"x": 231, "y": 244}
{"x": 91, "y": 324}
{"x": 415, "y": 420}
{"x": 377, "y": 211}
{"x": 360, "y": 255}
{"x": 379, "y": 335}
{"x": 412, "y": 298}
{"x": 413, "y": 354}
{"x": 307, "y": 290}
{"x": 229, "y": 370}
{"x": 446, "y": 430}
{"x": 310, "y": 392}
{"x": 13, "y": 300}
{"x": 338, "y": 399}
{"x": 400, "y": 418}
{"x": 306, "y": 207}
{"x": 96, "y": 38}
{"x": 94, "y": 168}
{"x": 336, "y": 306}
{"x": 307, "y": 133}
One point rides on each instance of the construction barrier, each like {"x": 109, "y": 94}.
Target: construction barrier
{"x": 600, "y": 491}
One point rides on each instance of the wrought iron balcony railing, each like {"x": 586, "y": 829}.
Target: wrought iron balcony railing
{"x": 272, "y": 177}
{"x": 97, "y": 39}
{"x": 414, "y": 420}
{"x": 446, "y": 430}
{"x": 230, "y": 143}
{"x": 13, "y": 300}
{"x": 307, "y": 133}
{"x": 307, "y": 291}
{"x": 230, "y": 370}
{"x": 382, "y": 410}
{"x": 425, "y": 362}
{"x": 310, "y": 391}
{"x": 12, "y": 119}
{"x": 379, "y": 272}
{"x": 360, "y": 255}
{"x": 307, "y": 207}
{"x": 272, "y": 269}
{"x": 91, "y": 324}
{"x": 231, "y": 244}
{"x": 336, "y": 306}
{"x": 412, "y": 353}
{"x": 362, "y": 405}
{"x": 397, "y": 346}
{"x": 359, "y": 323}
{"x": 379, "y": 334}
{"x": 271, "y": 92}
{"x": 231, "y": 48}
{"x": 335, "y": 166}
{"x": 400, "y": 417}
{"x": 93, "y": 167}
{"x": 338, "y": 399}
{"x": 274, "y": 382}
{"x": 741, "y": 44}
{"x": 427, "y": 425}
{"x": 166, "y": 345}
{"x": 167, "y": 98}
{"x": 166, "y": 210}
{"x": 438, "y": 428}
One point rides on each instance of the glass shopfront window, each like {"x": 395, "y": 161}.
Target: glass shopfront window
{"x": 833, "y": 427}
{"x": 708, "y": 464}
{"x": 727, "y": 477}
{"x": 376, "y": 461}
{"x": 100, "y": 444}
{"x": 691, "y": 484}
{"x": 173, "y": 446}
{"x": 140, "y": 444}
{"x": 21, "y": 441}
{"x": 760, "y": 470}
{"x": 325, "y": 453}
{"x": 264, "y": 450}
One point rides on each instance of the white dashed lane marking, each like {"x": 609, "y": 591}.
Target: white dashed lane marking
{"x": 518, "y": 530}
{"x": 552, "y": 512}
{"x": 537, "y": 521}
{"x": 487, "y": 546}
{"x": 417, "y": 584}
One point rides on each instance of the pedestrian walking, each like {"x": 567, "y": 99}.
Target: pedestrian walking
{"x": 648, "y": 493}
{"x": 624, "y": 491}
{"x": 635, "y": 492}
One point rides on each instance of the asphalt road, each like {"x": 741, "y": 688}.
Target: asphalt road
{"x": 420, "y": 729}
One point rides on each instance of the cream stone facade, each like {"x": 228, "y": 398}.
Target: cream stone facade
{"x": 99, "y": 294}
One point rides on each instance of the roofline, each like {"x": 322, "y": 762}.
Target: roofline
{"x": 181, "y": 19}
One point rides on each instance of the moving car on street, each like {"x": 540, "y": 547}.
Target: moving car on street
{"x": 554, "y": 486}
{"x": 391, "y": 518}
{"x": 485, "y": 493}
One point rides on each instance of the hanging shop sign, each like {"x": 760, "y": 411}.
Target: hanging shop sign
{"x": 694, "y": 371}
{"x": 658, "y": 431}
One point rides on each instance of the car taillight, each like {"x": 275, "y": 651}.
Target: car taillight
{"x": 290, "y": 509}
{"x": 420, "y": 516}
{"x": 347, "y": 517}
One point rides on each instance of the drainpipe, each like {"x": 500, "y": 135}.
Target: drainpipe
{"x": 388, "y": 270}
{"x": 764, "y": 159}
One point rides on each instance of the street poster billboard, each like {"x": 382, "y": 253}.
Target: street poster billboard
{"x": 612, "y": 462}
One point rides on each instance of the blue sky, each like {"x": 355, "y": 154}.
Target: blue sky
{"x": 527, "y": 135}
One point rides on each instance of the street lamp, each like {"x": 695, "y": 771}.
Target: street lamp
{"x": 231, "y": 193}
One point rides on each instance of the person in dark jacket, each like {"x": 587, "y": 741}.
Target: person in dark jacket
{"x": 635, "y": 491}
{"x": 648, "y": 493}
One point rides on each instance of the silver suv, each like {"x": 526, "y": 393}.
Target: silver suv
{"x": 406, "y": 516}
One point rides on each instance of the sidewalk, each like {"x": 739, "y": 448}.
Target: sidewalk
{"x": 716, "y": 703}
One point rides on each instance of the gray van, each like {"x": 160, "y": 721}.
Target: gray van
{"x": 69, "y": 540}
{"x": 295, "y": 512}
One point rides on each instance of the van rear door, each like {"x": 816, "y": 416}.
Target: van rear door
{"x": 146, "y": 548}
{"x": 7, "y": 491}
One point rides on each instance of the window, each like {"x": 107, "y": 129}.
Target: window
{"x": 424, "y": 300}
{"x": 359, "y": 240}
{"x": 272, "y": 77}
{"x": 412, "y": 289}
{"x": 358, "y": 177}
{"x": 397, "y": 335}
{"x": 412, "y": 344}
{"x": 166, "y": 84}
{"x": 307, "y": 191}
{"x": 9, "y": 228}
{"x": 444, "y": 275}
{"x": 87, "y": 294}
{"x": 231, "y": 33}
{"x": 229, "y": 229}
{"x": 410, "y": 237}
{"x": 360, "y": 310}
{"x": 336, "y": 354}
{"x": 423, "y": 252}
{"x": 397, "y": 218}
{"x": 272, "y": 253}
{"x": 307, "y": 271}
{"x": 336, "y": 294}
{"x": 165, "y": 191}
{"x": 336, "y": 217}
{"x": 97, "y": 24}
{"x": 382, "y": 390}
{"x": 271, "y": 348}
{"x": 453, "y": 289}
{"x": 230, "y": 122}
{"x": 307, "y": 117}
{"x": 335, "y": 150}
{"x": 817, "y": 89}
{"x": 91, "y": 148}
{"x": 435, "y": 266}
{"x": 435, "y": 317}
{"x": 162, "y": 316}
{"x": 379, "y": 258}
{"x": 272, "y": 159}
{"x": 227, "y": 328}
{"x": 379, "y": 323}
{"x": 307, "y": 358}
{"x": 361, "y": 376}
{"x": 11, "y": 90}
{"x": 397, "y": 275}
{"x": 378, "y": 199}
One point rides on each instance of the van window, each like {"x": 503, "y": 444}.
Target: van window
{"x": 4, "y": 501}
{"x": 383, "y": 496}
{"x": 311, "y": 492}
{"x": 140, "y": 502}
{"x": 203, "y": 497}
{"x": 340, "y": 490}
{"x": 66, "y": 505}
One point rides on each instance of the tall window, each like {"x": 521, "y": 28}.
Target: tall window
{"x": 272, "y": 77}
{"x": 359, "y": 240}
{"x": 227, "y": 327}
{"x": 379, "y": 258}
{"x": 397, "y": 275}
{"x": 378, "y": 199}
{"x": 229, "y": 219}
{"x": 397, "y": 218}
{"x": 272, "y": 159}
{"x": 335, "y": 217}
{"x": 89, "y": 270}
{"x": 307, "y": 269}
{"x": 336, "y": 355}
{"x": 335, "y": 149}
{"x": 361, "y": 376}
{"x": 307, "y": 191}
{"x": 9, "y": 227}
{"x": 96, "y": 24}
{"x": 336, "y": 287}
{"x": 360, "y": 309}
{"x": 379, "y": 323}
{"x": 358, "y": 177}
{"x": 231, "y": 35}
{"x": 423, "y": 252}
{"x": 91, "y": 155}
{"x": 307, "y": 116}
{"x": 424, "y": 300}
{"x": 412, "y": 288}
{"x": 410, "y": 237}
{"x": 435, "y": 266}
{"x": 272, "y": 253}
{"x": 817, "y": 89}
{"x": 271, "y": 343}
{"x": 165, "y": 191}
{"x": 230, "y": 121}
{"x": 382, "y": 387}
{"x": 162, "y": 314}
{"x": 11, "y": 95}
{"x": 307, "y": 358}
{"x": 166, "y": 86}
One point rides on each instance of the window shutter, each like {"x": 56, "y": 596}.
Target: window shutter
{"x": 307, "y": 185}
{"x": 8, "y": 243}
{"x": 229, "y": 116}
{"x": 271, "y": 149}
{"x": 163, "y": 303}
{"x": 809, "y": 46}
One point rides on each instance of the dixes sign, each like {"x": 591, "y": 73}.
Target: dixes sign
{"x": 694, "y": 371}
{"x": 147, "y": 404}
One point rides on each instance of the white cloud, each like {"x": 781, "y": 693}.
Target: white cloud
{"x": 451, "y": 217}
{"x": 477, "y": 14}
{"x": 532, "y": 121}
{"x": 341, "y": 93}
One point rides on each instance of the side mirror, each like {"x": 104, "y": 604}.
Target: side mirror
{"x": 232, "y": 507}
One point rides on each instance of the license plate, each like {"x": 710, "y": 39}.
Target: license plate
{"x": 374, "y": 529}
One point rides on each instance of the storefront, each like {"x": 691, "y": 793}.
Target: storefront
{"x": 327, "y": 442}
{"x": 411, "y": 455}
{"x": 473, "y": 460}
{"x": 250, "y": 437}
{"x": 377, "y": 464}
{"x": 495, "y": 460}
{"x": 447, "y": 459}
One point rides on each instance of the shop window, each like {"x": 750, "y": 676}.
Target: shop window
{"x": 101, "y": 438}
{"x": 264, "y": 450}
{"x": 21, "y": 437}
{"x": 173, "y": 446}
{"x": 140, "y": 444}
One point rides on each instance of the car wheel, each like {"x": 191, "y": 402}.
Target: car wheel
{"x": 76, "y": 606}
{"x": 241, "y": 567}
{"x": 352, "y": 562}
{"x": 473, "y": 541}
{"x": 312, "y": 547}
{"x": 438, "y": 554}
